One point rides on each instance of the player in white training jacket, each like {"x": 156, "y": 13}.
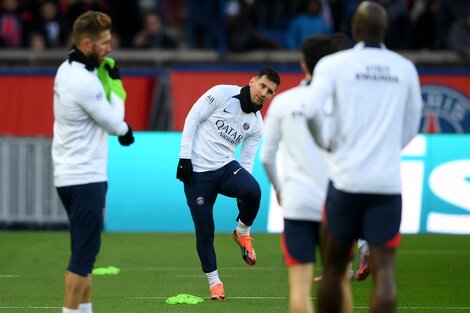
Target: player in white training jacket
{"x": 302, "y": 190}
{"x": 85, "y": 111}
{"x": 224, "y": 117}
{"x": 375, "y": 112}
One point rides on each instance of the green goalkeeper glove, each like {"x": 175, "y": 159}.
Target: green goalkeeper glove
{"x": 108, "y": 74}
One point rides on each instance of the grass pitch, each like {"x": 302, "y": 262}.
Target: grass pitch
{"x": 433, "y": 274}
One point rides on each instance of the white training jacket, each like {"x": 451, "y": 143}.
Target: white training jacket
{"x": 215, "y": 126}
{"x": 376, "y": 110}
{"x": 304, "y": 179}
{"x": 82, "y": 118}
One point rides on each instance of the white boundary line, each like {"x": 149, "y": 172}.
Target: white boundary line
{"x": 356, "y": 307}
{"x": 29, "y": 307}
{"x": 424, "y": 308}
{"x": 432, "y": 252}
{"x": 156, "y": 268}
{"x": 255, "y": 298}
{"x": 250, "y": 298}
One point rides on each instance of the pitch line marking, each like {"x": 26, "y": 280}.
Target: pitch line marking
{"x": 198, "y": 268}
{"x": 255, "y": 298}
{"x": 190, "y": 276}
{"x": 29, "y": 307}
{"x": 249, "y": 298}
{"x": 463, "y": 308}
{"x": 202, "y": 275}
{"x": 356, "y": 307}
{"x": 432, "y": 252}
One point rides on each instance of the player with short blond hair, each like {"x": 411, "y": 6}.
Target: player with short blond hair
{"x": 88, "y": 105}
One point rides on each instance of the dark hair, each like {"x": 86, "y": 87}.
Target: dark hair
{"x": 271, "y": 74}
{"x": 341, "y": 41}
{"x": 91, "y": 24}
{"x": 316, "y": 47}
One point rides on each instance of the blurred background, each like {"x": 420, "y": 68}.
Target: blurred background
{"x": 231, "y": 25}
{"x": 171, "y": 51}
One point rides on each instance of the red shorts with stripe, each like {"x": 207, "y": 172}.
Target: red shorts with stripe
{"x": 299, "y": 241}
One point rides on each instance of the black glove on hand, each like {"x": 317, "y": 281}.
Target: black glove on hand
{"x": 184, "y": 170}
{"x": 113, "y": 72}
{"x": 128, "y": 138}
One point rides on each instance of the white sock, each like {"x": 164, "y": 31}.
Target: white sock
{"x": 242, "y": 229}
{"x": 65, "y": 310}
{"x": 85, "y": 308}
{"x": 213, "y": 278}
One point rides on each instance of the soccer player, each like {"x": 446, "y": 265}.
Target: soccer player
{"x": 302, "y": 191}
{"x": 375, "y": 112}
{"x": 85, "y": 111}
{"x": 224, "y": 117}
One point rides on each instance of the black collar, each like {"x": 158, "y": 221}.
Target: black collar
{"x": 245, "y": 101}
{"x": 372, "y": 45}
{"x": 77, "y": 56}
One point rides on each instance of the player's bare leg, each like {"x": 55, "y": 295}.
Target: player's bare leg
{"x": 347, "y": 293}
{"x": 384, "y": 293}
{"x": 333, "y": 283}
{"x": 86, "y": 298}
{"x": 76, "y": 288}
{"x": 300, "y": 286}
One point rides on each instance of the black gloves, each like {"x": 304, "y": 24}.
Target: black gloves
{"x": 184, "y": 170}
{"x": 113, "y": 72}
{"x": 128, "y": 138}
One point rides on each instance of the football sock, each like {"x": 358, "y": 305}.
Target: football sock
{"x": 213, "y": 278}
{"x": 85, "y": 308}
{"x": 242, "y": 229}
{"x": 65, "y": 310}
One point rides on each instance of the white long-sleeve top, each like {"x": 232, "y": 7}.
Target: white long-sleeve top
{"x": 215, "y": 126}
{"x": 376, "y": 111}
{"x": 83, "y": 117}
{"x": 304, "y": 182}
